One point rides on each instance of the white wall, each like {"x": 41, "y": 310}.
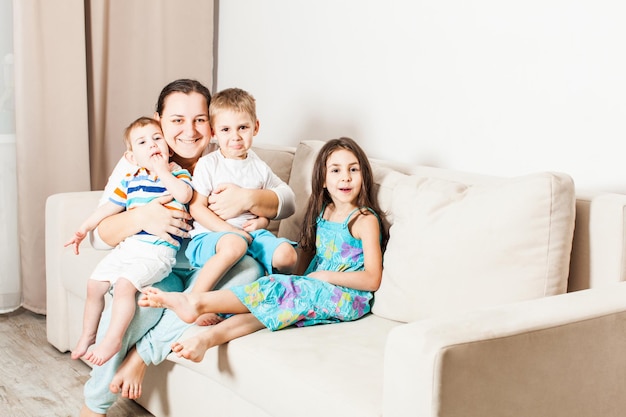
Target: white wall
{"x": 495, "y": 87}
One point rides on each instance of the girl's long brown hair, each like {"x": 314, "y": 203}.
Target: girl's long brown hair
{"x": 320, "y": 197}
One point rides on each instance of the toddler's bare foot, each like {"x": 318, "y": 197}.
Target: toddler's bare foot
{"x": 208, "y": 319}
{"x": 83, "y": 344}
{"x": 103, "y": 352}
{"x": 182, "y": 304}
{"x": 128, "y": 378}
{"x": 193, "y": 348}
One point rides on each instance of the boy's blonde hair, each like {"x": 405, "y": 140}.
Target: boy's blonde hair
{"x": 140, "y": 122}
{"x": 234, "y": 99}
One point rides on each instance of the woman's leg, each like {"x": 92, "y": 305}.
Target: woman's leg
{"x": 94, "y": 305}
{"x": 233, "y": 327}
{"x": 122, "y": 312}
{"x": 156, "y": 344}
{"x": 98, "y": 397}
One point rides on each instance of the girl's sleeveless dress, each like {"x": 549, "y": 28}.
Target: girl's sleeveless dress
{"x": 279, "y": 301}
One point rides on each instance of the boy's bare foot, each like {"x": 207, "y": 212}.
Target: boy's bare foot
{"x": 103, "y": 352}
{"x": 208, "y": 319}
{"x": 129, "y": 376}
{"x": 195, "y": 347}
{"x": 83, "y": 344}
{"x": 86, "y": 412}
{"x": 181, "y": 303}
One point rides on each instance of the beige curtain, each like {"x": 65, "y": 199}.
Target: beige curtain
{"x": 10, "y": 284}
{"x": 83, "y": 70}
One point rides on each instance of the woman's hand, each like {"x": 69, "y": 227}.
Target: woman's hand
{"x": 160, "y": 221}
{"x": 229, "y": 201}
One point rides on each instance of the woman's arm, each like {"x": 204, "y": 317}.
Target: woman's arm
{"x": 206, "y": 217}
{"x": 153, "y": 218}
{"x": 230, "y": 200}
{"x": 275, "y": 200}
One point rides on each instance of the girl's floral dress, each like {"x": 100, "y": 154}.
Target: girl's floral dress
{"x": 279, "y": 301}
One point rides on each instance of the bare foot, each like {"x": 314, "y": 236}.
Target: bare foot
{"x": 128, "y": 378}
{"x": 103, "y": 352}
{"x": 182, "y": 304}
{"x": 83, "y": 344}
{"x": 208, "y": 319}
{"x": 195, "y": 347}
{"x": 86, "y": 412}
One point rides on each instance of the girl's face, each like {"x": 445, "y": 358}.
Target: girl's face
{"x": 343, "y": 176}
{"x": 185, "y": 124}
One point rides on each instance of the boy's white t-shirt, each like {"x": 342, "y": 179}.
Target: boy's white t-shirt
{"x": 250, "y": 173}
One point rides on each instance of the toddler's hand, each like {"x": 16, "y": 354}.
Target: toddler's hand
{"x": 160, "y": 164}
{"x": 75, "y": 241}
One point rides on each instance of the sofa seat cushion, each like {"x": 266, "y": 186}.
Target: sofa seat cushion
{"x": 456, "y": 247}
{"x": 333, "y": 369}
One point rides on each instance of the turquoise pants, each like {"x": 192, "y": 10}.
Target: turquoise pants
{"x": 153, "y": 330}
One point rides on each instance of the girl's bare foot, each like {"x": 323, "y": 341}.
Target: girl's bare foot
{"x": 104, "y": 351}
{"x": 195, "y": 347}
{"x": 83, "y": 344}
{"x": 129, "y": 377}
{"x": 208, "y": 319}
{"x": 182, "y": 304}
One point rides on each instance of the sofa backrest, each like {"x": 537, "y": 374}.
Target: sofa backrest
{"x": 460, "y": 241}
{"x": 598, "y": 252}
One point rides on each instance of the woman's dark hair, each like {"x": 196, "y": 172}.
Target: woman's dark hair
{"x": 183, "y": 85}
{"x": 320, "y": 197}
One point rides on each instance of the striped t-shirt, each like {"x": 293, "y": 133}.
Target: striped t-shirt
{"x": 138, "y": 189}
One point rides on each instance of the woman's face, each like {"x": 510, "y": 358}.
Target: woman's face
{"x": 185, "y": 124}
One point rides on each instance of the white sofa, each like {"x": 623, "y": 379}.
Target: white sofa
{"x": 473, "y": 317}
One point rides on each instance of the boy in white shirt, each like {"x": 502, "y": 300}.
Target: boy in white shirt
{"x": 217, "y": 244}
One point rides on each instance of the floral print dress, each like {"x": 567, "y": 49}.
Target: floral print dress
{"x": 279, "y": 301}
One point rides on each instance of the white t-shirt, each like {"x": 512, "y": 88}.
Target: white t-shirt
{"x": 250, "y": 173}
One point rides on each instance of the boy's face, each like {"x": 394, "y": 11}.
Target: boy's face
{"x": 147, "y": 143}
{"x": 234, "y": 132}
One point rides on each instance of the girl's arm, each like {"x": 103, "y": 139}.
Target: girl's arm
{"x": 367, "y": 228}
{"x": 199, "y": 210}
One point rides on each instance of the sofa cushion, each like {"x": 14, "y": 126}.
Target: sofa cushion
{"x": 456, "y": 247}
{"x": 339, "y": 366}
{"x": 300, "y": 183}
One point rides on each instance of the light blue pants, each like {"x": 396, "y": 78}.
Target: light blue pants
{"x": 153, "y": 330}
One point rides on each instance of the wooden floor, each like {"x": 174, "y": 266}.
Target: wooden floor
{"x": 38, "y": 380}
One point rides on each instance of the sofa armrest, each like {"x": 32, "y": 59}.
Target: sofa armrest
{"x": 599, "y": 247}
{"x": 64, "y": 214}
{"x": 554, "y": 356}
